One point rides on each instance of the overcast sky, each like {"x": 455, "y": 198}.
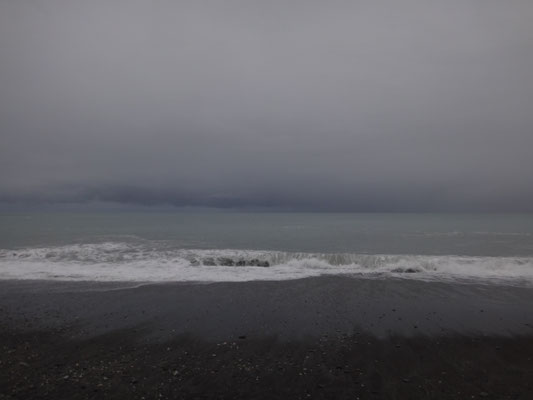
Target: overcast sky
{"x": 293, "y": 104}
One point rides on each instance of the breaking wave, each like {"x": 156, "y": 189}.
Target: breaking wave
{"x": 150, "y": 262}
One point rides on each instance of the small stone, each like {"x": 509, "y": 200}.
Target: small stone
{"x": 484, "y": 394}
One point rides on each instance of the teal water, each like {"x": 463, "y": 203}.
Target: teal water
{"x": 231, "y": 246}
{"x": 438, "y": 234}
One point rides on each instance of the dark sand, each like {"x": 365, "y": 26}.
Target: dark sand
{"x": 312, "y": 338}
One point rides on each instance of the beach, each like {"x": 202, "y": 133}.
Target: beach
{"x": 325, "y": 337}
{"x": 266, "y": 200}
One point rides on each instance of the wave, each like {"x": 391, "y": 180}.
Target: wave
{"x": 153, "y": 262}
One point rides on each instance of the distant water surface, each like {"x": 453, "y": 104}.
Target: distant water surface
{"x": 237, "y": 246}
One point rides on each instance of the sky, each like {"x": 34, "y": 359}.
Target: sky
{"x": 295, "y": 104}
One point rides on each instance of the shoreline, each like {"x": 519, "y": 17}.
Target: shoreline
{"x": 328, "y": 337}
{"x": 289, "y": 309}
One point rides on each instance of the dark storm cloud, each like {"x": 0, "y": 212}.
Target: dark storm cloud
{"x": 338, "y": 105}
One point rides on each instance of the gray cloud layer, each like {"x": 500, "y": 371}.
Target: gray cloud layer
{"x": 340, "y": 105}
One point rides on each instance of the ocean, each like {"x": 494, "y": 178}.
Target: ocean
{"x": 210, "y": 246}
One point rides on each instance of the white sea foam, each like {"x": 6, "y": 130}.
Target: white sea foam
{"x": 152, "y": 262}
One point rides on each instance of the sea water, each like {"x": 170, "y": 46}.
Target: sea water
{"x": 212, "y": 246}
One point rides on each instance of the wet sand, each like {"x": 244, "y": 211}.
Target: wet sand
{"x": 328, "y": 337}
